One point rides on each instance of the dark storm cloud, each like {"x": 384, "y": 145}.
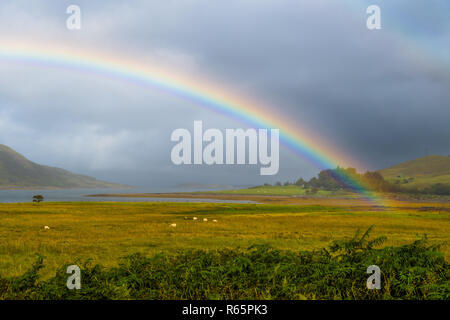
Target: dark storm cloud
{"x": 321, "y": 64}
{"x": 381, "y": 96}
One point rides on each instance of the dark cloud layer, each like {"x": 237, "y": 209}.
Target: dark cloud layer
{"x": 381, "y": 96}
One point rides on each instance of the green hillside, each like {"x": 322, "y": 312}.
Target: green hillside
{"x": 420, "y": 172}
{"x": 18, "y": 172}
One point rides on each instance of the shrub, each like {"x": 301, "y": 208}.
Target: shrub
{"x": 413, "y": 271}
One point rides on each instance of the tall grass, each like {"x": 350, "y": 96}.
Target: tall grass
{"x": 105, "y": 232}
{"x": 413, "y": 271}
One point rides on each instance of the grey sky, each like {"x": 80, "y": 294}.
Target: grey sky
{"x": 381, "y": 96}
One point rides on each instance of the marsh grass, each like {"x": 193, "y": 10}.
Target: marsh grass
{"x": 105, "y": 232}
{"x": 413, "y": 271}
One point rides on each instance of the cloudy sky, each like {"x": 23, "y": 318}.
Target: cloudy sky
{"x": 380, "y": 96}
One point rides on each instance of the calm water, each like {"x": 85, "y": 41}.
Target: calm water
{"x": 16, "y": 196}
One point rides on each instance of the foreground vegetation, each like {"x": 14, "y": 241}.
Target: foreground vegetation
{"x": 104, "y": 232}
{"x": 413, "y": 271}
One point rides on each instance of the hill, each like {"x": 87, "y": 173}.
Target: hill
{"x": 18, "y": 172}
{"x": 420, "y": 172}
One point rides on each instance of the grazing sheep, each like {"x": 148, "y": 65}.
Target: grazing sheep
{"x": 46, "y": 228}
{"x": 195, "y": 218}
{"x": 214, "y": 220}
{"x": 173, "y": 225}
{"x": 204, "y": 219}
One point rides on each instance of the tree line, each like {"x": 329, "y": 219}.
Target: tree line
{"x": 348, "y": 179}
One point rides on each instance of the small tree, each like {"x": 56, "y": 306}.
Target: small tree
{"x": 38, "y": 198}
{"x": 300, "y": 182}
{"x": 312, "y": 190}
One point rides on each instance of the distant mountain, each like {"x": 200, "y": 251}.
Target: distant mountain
{"x": 420, "y": 172}
{"x": 18, "y": 172}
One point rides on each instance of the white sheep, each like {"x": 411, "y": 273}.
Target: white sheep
{"x": 173, "y": 225}
{"x": 214, "y": 220}
{"x": 204, "y": 219}
{"x": 194, "y": 218}
{"x": 46, "y": 228}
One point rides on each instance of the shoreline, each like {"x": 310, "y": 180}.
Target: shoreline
{"x": 276, "y": 199}
{"x": 59, "y": 188}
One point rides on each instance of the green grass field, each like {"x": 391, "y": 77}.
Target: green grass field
{"x": 107, "y": 231}
{"x": 420, "y": 172}
{"x": 290, "y": 190}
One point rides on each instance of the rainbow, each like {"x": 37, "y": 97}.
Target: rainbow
{"x": 299, "y": 139}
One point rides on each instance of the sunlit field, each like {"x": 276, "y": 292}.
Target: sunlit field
{"x": 105, "y": 232}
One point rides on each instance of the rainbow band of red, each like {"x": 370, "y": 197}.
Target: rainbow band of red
{"x": 298, "y": 139}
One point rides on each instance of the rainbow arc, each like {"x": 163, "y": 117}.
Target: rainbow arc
{"x": 297, "y": 138}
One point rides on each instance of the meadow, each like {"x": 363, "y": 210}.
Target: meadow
{"x": 107, "y": 231}
{"x": 289, "y": 190}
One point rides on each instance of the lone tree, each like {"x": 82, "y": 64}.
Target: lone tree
{"x": 300, "y": 182}
{"x": 38, "y": 198}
